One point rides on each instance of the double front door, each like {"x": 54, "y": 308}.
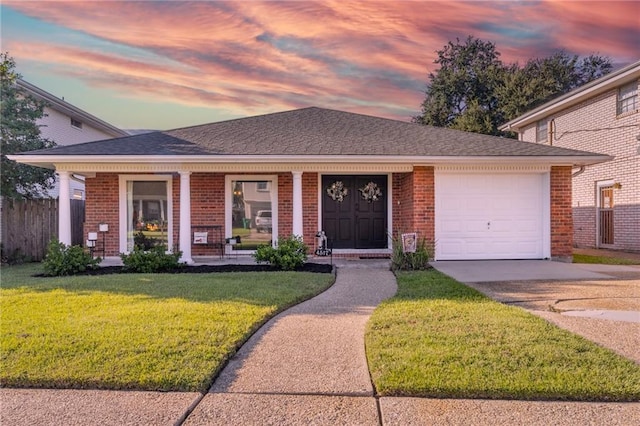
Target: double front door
{"x": 354, "y": 211}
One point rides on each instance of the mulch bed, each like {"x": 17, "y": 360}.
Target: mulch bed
{"x": 321, "y": 268}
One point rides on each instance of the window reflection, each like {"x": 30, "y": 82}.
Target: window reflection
{"x": 147, "y": 224}
{"x": 251, "y": 214}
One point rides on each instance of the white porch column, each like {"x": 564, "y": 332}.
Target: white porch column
{"x": 297, "y": 204}
{"x": 185, "y": 217}
{"x": 64, "y": 207}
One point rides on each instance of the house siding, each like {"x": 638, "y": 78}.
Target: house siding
{"x": 594, "y": 126}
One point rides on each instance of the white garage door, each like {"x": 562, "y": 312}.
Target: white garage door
{"x": 490, "y": 215}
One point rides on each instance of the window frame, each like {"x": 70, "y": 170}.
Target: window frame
{"x": 228, "y": 204}
{"x": 540, "y": 128}
{"x": 122, "y": 203}
{"x": 76, "y": 124}
{"x": 627, "y": 98}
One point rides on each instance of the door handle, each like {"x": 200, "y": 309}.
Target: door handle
{"x": 488, "y": 225}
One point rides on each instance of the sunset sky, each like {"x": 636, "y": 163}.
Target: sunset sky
{"x": 167, "y": 64}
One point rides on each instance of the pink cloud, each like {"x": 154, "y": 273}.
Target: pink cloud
{"x": 359, "y": 55}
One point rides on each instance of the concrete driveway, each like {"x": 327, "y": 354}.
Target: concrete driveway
{"x": 599, "y": 302}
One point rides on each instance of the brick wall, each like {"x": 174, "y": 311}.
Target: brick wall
{"x": 207, "y": 205}
{"x": 561, "y": 214}
{"x": 310, "y": 207}
{"x": 402, "y": 186}
{"x": 424, "y": 202}
{"x": 594, "y": 126}
{"x": 102, "y": 207}
{"x": 414, "y": 202}
{"x": 285, "y": 205}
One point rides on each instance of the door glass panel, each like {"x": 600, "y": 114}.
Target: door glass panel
{"x": 147, "y": 218}
{"x": 251, "y": 215}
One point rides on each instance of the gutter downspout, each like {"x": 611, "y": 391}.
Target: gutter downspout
{"x": 578, "y": 172}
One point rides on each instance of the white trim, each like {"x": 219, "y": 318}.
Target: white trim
{"x": 546, "y": 215}
{"x": 122, "y": 206}
{"x": 185, "y": 217}
{"x": 228, "y": 205}
{"x": 297, "y": 215}
{"x": 284, "y": 163}
{"x": 64, "y": 206}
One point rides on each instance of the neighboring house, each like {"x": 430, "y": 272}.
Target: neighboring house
{"x": 602, "y": 116}
{"x": 66, "y": 124}
{"x": 359, "y": 178}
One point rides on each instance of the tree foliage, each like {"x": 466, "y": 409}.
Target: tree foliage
{"x": 473, "y": 90}
{"x": 19, "y": 132}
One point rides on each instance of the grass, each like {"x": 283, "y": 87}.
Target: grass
{"x": 135, "y": 331}
{"x": 438, "y": 338}
{"x": 604, "y": 260}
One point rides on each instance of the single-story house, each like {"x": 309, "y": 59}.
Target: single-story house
{"x": 358, "y": 178}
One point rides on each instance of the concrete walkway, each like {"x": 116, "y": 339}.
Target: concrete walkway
{"x": 307, "y": 365}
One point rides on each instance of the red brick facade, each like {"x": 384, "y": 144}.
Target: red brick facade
{"x": 102, "y": 206}
{"x": 561, "y": 214}
{"x": 414, "y": 203}
{"x": 413, "y": 206}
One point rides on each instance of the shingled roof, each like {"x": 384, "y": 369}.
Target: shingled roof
{"x": 313, "y": 132}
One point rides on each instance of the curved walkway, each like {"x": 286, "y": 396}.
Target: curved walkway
{"x": 308, "y": 364}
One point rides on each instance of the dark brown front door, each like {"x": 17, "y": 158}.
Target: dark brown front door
{"x": 354, "y": 211}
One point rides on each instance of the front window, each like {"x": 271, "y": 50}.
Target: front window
{"x": 251, "y": 212}
{"x": 147, "y": 212}
{"x": 541, "y": 131}
{"x": 628, "y": 98}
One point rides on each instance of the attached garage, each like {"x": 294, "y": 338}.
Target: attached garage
{"x": 492, "y": 214}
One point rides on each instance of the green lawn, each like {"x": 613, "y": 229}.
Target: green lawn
{"x": 135, "y": 331}
{"x": 439, "y": 338}
{"x": 605, "y": 260}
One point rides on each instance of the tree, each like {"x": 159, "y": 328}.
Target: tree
{"x": 542, "y": 79}
{"x": 474, "y": 91}
{"x": 461, "y": 93}
{"x": 19, "y": 133}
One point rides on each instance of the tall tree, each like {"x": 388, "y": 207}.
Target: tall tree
{"x": 19, "y": 132}
{"x": 461, "y": 93}
{"x": 474, "y": 91}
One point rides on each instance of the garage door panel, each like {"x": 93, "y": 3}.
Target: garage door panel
{"x": 489, "y": 215}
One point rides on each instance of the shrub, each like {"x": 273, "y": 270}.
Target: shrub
{"x": 411, "y": 261}
{"x": 148, "y": 261}
{"x": 144, "y": 242}
{"x": 290, "y": 254}
{"x": 67, "y": 260}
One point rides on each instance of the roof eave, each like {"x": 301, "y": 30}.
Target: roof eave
{"x": 182, "y": 162}
{"x": 66, "y": 108}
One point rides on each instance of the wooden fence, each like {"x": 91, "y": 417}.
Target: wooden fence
{"x": 29, "y": 225}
